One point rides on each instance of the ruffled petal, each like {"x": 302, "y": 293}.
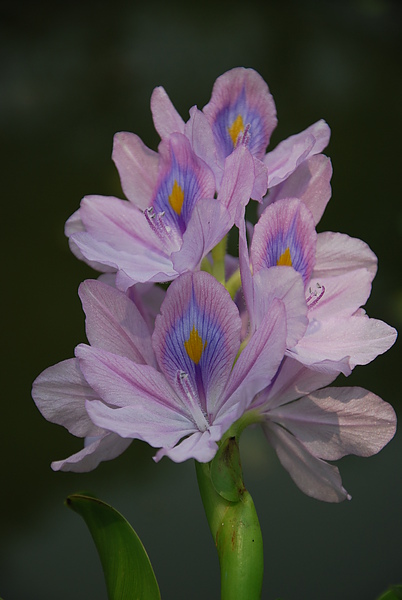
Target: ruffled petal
{"x": 358, "y": 339}
{"x": 334, "y": 422}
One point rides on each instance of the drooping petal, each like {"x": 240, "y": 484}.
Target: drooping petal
{"x": 241, "y": 102}
{"x": 309, "y": 182}
{"x": 338, "y": 253}
{"x": 97, "y": 449}
{"x": 166, "y": 118}
{"x": 196, "y": 337}
{"x": 289, "y": 154}
{"x": 312, "y": 475}
{"x": 114, "y": 323}
{"x": 334, "y": 422}
{"x": 285, "y": 236}
{"x": 60, "y": 393}
{"x": 137, "y": 166}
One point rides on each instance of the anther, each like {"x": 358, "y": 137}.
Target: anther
{"x": 315, "y": 295}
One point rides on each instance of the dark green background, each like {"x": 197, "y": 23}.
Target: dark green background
{"x": 71, "y": 75}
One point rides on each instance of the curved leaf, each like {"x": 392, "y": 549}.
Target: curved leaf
{"x": 394, "y": 593}
{"x": 127, "y": 568}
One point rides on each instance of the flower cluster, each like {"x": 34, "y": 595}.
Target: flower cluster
{"x": 230, "y": 341}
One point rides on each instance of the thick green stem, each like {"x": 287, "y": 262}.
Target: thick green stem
{"x": 233, "y": 522}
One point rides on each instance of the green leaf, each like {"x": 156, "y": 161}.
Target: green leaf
{"x": 394, "y": 593}
{"x": 127, "y": 568}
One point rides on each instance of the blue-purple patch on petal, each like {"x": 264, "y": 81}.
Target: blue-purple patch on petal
{"x": 285, "y": 236}
{"x": 241, "y": 108}
{"x": 183, "y": 180}
{"x": 196, "y": 338}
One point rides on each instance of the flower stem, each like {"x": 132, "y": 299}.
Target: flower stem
{"x": 233, "y": 523}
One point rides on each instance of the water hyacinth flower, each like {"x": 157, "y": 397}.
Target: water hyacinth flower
{"x": 179, "y": 391}
{"x": 171, "y": 220}
{"x": 186, "y": 405}
{"x": 308, "y": 424}
{"x": 333, "y": 274}
{"x": 241, "y": 108}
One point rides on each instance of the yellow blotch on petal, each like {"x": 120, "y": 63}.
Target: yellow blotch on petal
{"x": 236, "y": 128}
{"x": 176, "y": 198}
{"x": 285, "y": 260}
{"x": 195, "y": 346}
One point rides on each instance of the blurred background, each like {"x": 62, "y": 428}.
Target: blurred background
{"x": 71, "y": 75}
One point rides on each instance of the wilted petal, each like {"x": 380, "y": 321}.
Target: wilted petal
{"x": 313, "y": 476}
{"x": 200, "y": 446}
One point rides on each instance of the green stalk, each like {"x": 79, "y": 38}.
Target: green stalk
{"x": 233, "y": 523}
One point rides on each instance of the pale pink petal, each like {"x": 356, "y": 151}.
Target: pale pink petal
{"x": 334, "y": 422}
{"x": 60, "y": 393}
{"x": 114, "y": 323}
{"x": 290, "y": 153}
{"x": 209, "y": 223}
{"x": 292, "y": 381}
{"x": 258, "y": 362}
{"x": 137, "y": 166}
{"x": 237, "y": 181}
{"x": 313, "y": 476}
{"x": 338, "y": 296}
{"x": 285, "y": 285}
{"x": 200, "y": 446}
{"x": 105, "y": 447}
{"x": 357, "y": 338}
{"x": 166, "y": 118}
{"x": 338, "y": 253}
{"x": 309, "y": 182}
